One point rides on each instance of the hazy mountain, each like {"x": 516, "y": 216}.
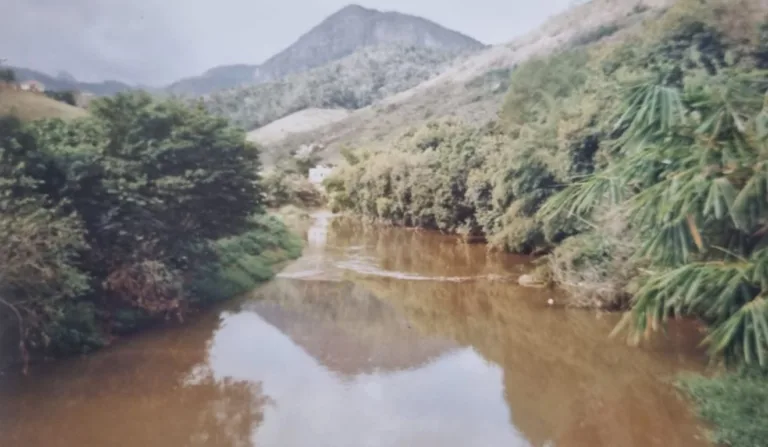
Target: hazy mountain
{"x": 218, "y": 78}
{"x": 65, "y": 81}
{"x": 339, "y": 35}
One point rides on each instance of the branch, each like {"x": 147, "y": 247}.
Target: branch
{"x": 22, "y": 344}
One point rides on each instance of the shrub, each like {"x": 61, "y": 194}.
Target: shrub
{"x": 595, "y": 269}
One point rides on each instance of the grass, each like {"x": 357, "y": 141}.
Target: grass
{"x": 246, "y": 260}
{"x": 736, "y": 404}
{"x": 29, "y": 106}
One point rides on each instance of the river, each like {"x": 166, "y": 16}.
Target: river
{"x": 375, "y": 337}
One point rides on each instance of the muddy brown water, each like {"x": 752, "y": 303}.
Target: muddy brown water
{"x": 375, "y": 337}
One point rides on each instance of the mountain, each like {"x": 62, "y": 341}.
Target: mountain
{"x": 471, "y": 89}
{"x": 218, "y": 78}
{"x": 355, "y": 81}
{"x": 65, "y": 81}
{"x": 341, "y": 34}
{"x": 353, "y": 27}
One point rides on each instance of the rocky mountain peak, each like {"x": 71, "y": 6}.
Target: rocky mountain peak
{"x": 339, "y": 35}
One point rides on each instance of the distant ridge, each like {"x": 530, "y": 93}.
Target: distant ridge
{"x": 339, "y": 35}
{"x": 65, "y": 81}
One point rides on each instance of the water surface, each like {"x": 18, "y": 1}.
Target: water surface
{"x": 376, "y": 337}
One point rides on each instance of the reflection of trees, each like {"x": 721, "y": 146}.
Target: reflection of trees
{"x": 421, "y": 252}
{"x": 137, "y": 394}
{"x": 565, "y": 381}
{"x": 344, "y": 327}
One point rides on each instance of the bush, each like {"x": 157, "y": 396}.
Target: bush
{"x": 595, "y": 269}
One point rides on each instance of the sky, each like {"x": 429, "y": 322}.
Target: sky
{"x": 155, "y": 42}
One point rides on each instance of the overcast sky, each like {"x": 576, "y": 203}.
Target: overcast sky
{"x": 158, "y": 41}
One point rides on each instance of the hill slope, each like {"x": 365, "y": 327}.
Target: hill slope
{"x": 339, "y": 35}
{"x": 358, "y": 80}
{"x": 472, "y": 88}
{"x": 67, "y": 82}
{"x": 29, "y": 106}
{"x": 302, "y": 121}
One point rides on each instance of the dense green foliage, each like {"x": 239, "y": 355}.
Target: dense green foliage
{"x": 490, "y": 180}
{"x": 639, "y": 165}
{"x": 245, "y": 260}
{"x": 735, "y": 404}
{"x": 659, "y": 143}
{"x": 116, "y": 214}
{"x": 356, "y": 81}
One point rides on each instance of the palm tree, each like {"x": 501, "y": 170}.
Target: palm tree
{"x": 691, "y": 173}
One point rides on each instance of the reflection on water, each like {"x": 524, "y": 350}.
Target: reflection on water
{"x": 376, "y": 337}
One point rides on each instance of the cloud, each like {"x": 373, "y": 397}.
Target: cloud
{"x": 93, "y": 39}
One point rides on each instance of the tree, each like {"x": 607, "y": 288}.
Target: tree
{"x": 153, "y": 184}
{"x": 692, "y": 180}
{"x": 40, "y": 243}
{"x": 6, "y": 74}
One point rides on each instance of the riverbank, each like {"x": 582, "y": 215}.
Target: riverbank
{"x": 244, "y": 262}
{"x": 413, "y": 336}
{"x": 635, "y": 160}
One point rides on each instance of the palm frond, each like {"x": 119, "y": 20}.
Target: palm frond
{"x": 582, "y": 198}
{"x": 744, "y": 335}
{"x": 725, "y": 294}
{"x": 652, "y": 110}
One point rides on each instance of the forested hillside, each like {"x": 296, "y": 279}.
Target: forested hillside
{"x": 638, "y": 163}
{"x": 472, "y": 88}
{"x": 351, "y": 83}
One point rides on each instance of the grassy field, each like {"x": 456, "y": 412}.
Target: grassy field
{"x": 33, "y": 106}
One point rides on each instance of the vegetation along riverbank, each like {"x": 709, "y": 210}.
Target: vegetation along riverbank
{"x": 139, "y": 211}
{"x": 637, "y": 160}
